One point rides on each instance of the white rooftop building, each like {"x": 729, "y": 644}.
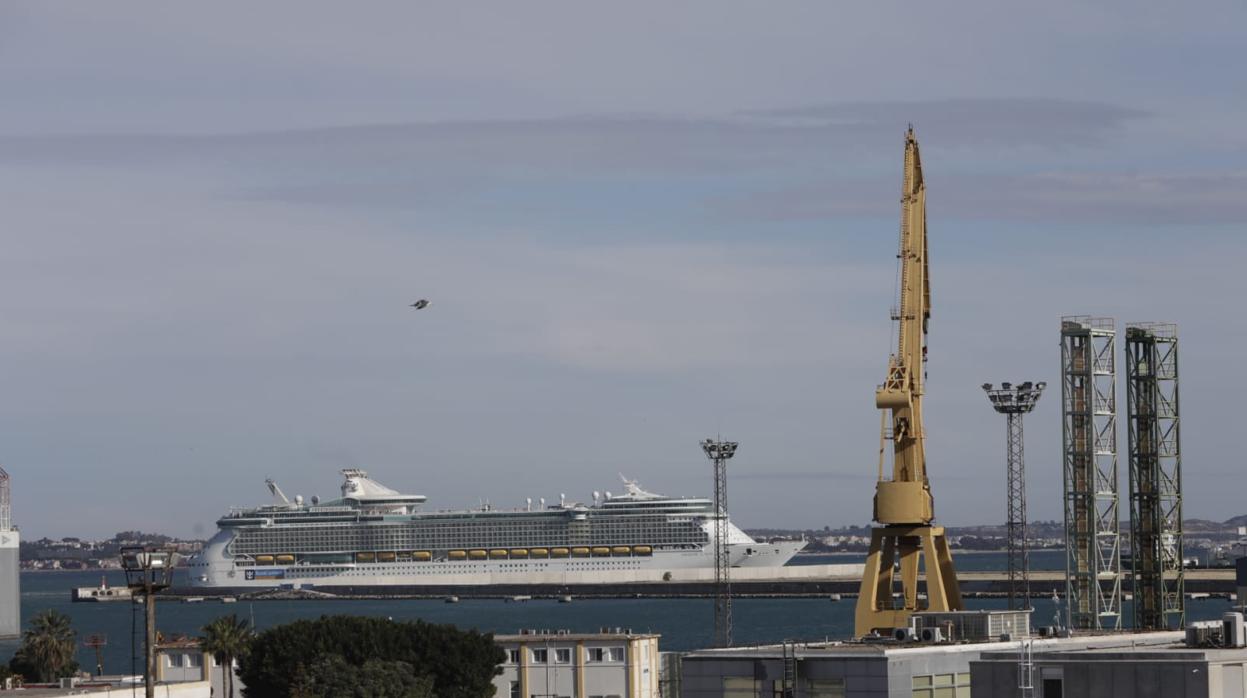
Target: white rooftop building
{"x": 561, "y": 664}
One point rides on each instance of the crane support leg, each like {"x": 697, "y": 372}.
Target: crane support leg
{"x": 877, "y": 609}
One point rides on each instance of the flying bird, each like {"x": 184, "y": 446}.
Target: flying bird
{"x": 420, "y": 304}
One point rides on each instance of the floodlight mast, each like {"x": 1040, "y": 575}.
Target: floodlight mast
{"x": 1013, "y": 401}
{"x": 719, "y": 452}
{"x": 903, "y": 503}
{"x": 148, "y": 570}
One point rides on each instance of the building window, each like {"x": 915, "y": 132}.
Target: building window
{"x": 824, "y": 688}
{"x": 739, "y": 687}
{"x": 941, "y": 686}
{"x": 563, "y": 656}
{"x": 513, "y": 656}
{"x": 616, "y": 654}
{"x": 597, "y": 654}
{"x": 540, "y": 656}
{"x": 515, "y": 689}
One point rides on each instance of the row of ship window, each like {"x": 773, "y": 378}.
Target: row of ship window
{"x": 460, "y": 536}
{"x": 617, "y": 551}
{"x": 250, "y": 543}
{"x": 563, "y": 655}
{"x": 318, "y": 571}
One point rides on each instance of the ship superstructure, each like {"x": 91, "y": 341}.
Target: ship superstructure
{"x": 376, "y": 536}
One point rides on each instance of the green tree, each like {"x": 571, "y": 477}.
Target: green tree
{"x": 47, "y": 650}
{"x": 227, "y": 638}
{"x": 333, "y": 677}
{"x": 287, "y": 659}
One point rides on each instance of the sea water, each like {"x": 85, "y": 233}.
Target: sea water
{"x": 684, "y": 624}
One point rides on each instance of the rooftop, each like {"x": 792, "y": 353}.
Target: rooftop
{"x": 1099, "y": 642}
{"x": 603, "y": 635}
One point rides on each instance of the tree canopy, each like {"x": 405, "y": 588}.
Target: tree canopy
{"x": 227, "y": 638}
{"x": 333, "y": 677}
{"x": 313, "y": 658}
{"x": 47, "y": 650}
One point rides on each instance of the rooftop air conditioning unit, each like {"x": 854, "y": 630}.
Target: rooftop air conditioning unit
{"x": 1233, "y": 630}
{"x": 932, "y": 635}
{"x": 1205, "y": 633}
{"x": 905, "y": 634}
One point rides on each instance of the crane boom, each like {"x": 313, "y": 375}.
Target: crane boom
{"x": 907, "y": 497}
{"x": 276, "y": 491}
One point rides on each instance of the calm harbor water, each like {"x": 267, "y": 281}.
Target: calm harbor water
{"x": 685, "y": 624}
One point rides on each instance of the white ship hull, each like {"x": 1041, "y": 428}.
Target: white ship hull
{"x": 213, "y": 569}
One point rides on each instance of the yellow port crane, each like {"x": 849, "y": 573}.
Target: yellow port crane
{"x": 903, "y": 503}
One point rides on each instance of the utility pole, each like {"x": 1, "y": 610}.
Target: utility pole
{"x": 1014, "y": 401}
{"x": 97, "y": 643}
{"x": 148, "y": 570}
{"x": 719, "y": 453}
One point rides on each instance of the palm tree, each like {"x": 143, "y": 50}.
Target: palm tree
{"x": 48, "y": 647}
{"x": 226, "y": 638}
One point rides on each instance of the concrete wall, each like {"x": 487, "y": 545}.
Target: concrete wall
{"x": 197, "y": 689}
{"x": 1105, "y": 679}
{"x": 865, "y": 674}
{"x": 864, "y": 677}
{"x": 10, "y": 586}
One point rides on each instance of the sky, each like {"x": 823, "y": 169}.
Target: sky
{"x": 638, "y": 225}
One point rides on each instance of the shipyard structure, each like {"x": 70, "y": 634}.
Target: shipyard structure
{"x": 10, "y": 583}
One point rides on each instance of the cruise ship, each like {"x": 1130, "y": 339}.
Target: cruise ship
{"x": 374, "y": 536}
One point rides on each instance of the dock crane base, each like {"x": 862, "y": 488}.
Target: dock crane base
{"x": 876, "y": 607}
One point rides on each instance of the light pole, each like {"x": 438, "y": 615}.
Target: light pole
{"x": 1013, "y": 401}
{"x": 97, "y": 643}
{"x": 719, "y": 452}
{"x": 148, "y": 570}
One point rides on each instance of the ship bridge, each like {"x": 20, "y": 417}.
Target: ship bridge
{"x": 368, "y": 494}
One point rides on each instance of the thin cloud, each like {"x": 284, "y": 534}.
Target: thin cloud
{"x": 1048, "y": 197}
{"x": 1013, "y": 123}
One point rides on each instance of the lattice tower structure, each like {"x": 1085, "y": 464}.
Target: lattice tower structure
{"x": 1155, "y": 454}
{"x": 719, "y": 453}
{"x": 1014, "y": 401}
{"x": 1089, "y": 454}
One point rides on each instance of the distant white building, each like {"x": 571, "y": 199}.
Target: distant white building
{"x": 562, "y": 664}
{"x": 10, "y": 567}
